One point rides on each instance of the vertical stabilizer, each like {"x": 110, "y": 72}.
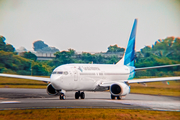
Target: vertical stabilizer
{"x": 129, "y": 56}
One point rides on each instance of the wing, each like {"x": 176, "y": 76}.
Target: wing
{"x": 145, "y": 68}
{"x": 153, "y": 79}
{"x": 109, "y": 83}
{"x": 26, "y": 77}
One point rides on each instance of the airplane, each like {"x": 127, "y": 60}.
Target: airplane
{"x": 97, "y": 77}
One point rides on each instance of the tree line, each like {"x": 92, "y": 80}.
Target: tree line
{"x": 163, "y": 52}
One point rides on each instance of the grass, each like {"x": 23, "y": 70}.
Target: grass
{"x": 6, "y": 82}
{"x": 88, "y": 114}
{"x": 158, "y": 88}
{"x": 155, "y": 88}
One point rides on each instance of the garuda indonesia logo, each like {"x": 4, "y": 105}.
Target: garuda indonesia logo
{"x": 80, "y": 69}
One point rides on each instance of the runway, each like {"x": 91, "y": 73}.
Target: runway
{"x": 13, "y": 98}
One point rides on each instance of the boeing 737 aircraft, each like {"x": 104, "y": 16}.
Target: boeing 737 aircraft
{"x": 97, "y": 77}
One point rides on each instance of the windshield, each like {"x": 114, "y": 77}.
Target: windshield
{"x": 60, "y": 72}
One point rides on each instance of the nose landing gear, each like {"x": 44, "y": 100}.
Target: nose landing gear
{"x": 79, "y": 94}
{"x": 62, "y": 96}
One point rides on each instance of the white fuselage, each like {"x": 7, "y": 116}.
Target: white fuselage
{"x": 86, "y": 77}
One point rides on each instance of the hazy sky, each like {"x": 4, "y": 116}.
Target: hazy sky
{"x": 87, "y": 25}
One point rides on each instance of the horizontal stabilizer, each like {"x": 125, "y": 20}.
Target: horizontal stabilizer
{"x": 145, "y": 68}
{"x": 153, "y": 79}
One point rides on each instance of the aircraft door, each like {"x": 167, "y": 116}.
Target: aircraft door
{"x": 102, "y": 75}
{"x": 75, "y": 75}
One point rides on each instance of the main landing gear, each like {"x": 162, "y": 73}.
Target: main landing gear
{"x": 79, "y": 94}
{"x": 118, "y": 97}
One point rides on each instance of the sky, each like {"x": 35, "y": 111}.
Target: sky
{"x": 87, "y": 25}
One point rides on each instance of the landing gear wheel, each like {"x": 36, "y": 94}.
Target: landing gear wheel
{"x": 119, "y": 97}
{"x": 82, "y": 95}
{"x": 62, "y": 96}
{"x": 112, "y": 97}
{"x": 77, "y": 94}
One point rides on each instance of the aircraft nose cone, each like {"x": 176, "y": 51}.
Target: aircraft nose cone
{"x": 55, "y": 80}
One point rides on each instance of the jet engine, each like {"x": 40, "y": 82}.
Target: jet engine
{"x": 51, "y": 90}
{"x": 120, "y": 89}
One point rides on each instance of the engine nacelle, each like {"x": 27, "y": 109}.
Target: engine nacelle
{"x": 50, "y": 90}
{"x": 120, "y": 89}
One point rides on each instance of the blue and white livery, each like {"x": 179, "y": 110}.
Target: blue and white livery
{"x": 97, "y": 77}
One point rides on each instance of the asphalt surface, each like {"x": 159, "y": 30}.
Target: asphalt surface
{"x": 13, "y": 98}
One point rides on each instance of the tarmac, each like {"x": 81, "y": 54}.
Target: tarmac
{"x": 17, "y": 98}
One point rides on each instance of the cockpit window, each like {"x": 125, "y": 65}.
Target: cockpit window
{"x": 60, "y": 72}
{"x": 54, "y": 73}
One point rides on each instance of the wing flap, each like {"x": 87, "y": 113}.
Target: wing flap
{"x": 153, "y": 79}
{"x": 26, "y": 77}
{"x": 109, "y": 83}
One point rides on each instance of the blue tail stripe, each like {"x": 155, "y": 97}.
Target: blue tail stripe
{"x": 130, "y": 51}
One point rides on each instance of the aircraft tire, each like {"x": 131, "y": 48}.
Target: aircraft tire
{"x": 62, "y": 96}
{"x": 112, "y": 97}
{"x": 82, "y": 95}
{"x": 77, "y": 95}
{"x": 119, "y": 97}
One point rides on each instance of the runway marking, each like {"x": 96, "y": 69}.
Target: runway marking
{"x": 7, "y": 102}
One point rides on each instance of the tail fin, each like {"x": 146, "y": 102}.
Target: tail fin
{"x": 129, "y": 56}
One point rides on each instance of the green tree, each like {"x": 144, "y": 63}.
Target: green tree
{"x": 29, "y": 55}
{"x": 72, "y": 51}
{"x": 11, "y": 63}
{"x": 99, "y": 59}
{"x": 9, "y": 48}
{"x": 87, "y": 57}
{"x": 176, "y": 44}
{"x": 113, "y": 60}
{"x": 115, "y": 48}
{"x": 2, "y": 43}
{"x": 63, "y": 57}
{"x": 146, "y": 49}
{"x": 39, "y": 69}
{"x": 39, "y": 44}
{"x": 4, "y": 46}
